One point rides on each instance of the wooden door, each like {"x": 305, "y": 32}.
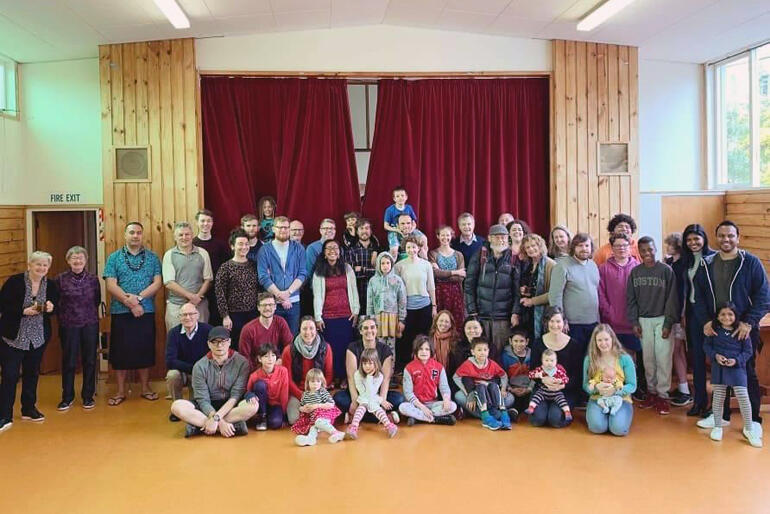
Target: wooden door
{"x": 55, "y": 233}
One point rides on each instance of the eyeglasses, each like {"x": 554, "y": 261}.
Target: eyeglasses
{"x": 271, "y": 305}
{"x": 219, "y": 342}
{"x": 188, "y": 314}
{"x": 297, "y": 230}
{"x": 327, "y": 228}
{"x": 281, "y": 227}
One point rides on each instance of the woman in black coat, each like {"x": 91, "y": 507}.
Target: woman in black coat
{"x": 26, "y": 302}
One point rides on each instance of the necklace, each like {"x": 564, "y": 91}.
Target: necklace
{"x": 128, "y": 262}
{"x": 77, "y": 278}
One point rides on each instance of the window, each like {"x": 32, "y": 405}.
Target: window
{"x": 362, "y": 96}
{"x": 8, "y": 89}
{"x": 742, "y": 115}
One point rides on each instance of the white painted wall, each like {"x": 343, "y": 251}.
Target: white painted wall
{"x": 56, "y": 145}
{"x": 670, "y": 126}
{"x": 373, "y": 48}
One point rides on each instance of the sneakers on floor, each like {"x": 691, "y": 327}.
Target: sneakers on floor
{"x": 261, "y": 425}
{"x": 757, "y": 428}
{"x": 681, "y": 399}
{"x": 444, "y": 420}
{"x": 33, "y": 415}
{"x": 662, "y": 407}
{"x": 410, "y": 421}
{"x": 307, "y": 440}
{"x": 351, "y": 433}
{"x": 191, "y": 430}
{"x": 336, "y": 437}
{"x": 649, "y": 402}
{"x": 5, "y": 424}
{"x": 64, "y": 405}
{"x": 505, "y": 421}
{"x": 392, "y": 430}
{"x": 89, "y": 404}
{"x": 513, "y": 414}
{"x": 172, "y": 418}
{"x": 699, "y": 411}
{"x": 753, "y": 437}
{"x": 240, "y": 428}
{"x": 639, "y": 396}
{"x": 395, "y": 417}
{"x": 708, "y": 422}
{"x": 488, "y": 421}
{"x": 716, "y": 434}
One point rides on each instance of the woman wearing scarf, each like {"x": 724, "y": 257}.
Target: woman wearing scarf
{"x": 444, "y": 335}
{"x": 535, "y": 281}
{"x": 386, "y": 300}
{"x": 307, "y": 351}
{"x": 695, "y": 246}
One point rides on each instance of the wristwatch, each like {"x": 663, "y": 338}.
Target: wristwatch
{"x": 139, "y": 297}
{"x": 216, "y": 418}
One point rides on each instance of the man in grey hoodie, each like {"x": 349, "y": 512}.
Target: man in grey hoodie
{"x": 218, "y": 383}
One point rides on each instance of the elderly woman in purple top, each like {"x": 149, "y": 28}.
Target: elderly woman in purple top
{"x": 80, "y": 296}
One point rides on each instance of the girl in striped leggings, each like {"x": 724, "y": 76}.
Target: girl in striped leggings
{"x": 368, "y": 379}
{"x": 728, "y": 369}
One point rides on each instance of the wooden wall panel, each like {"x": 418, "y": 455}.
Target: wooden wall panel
{"x": 13, "y": 247}
{"x": 678, "y": 211}
{"x": 595, "y": 99}
{"x": 750, "y": 210}
{"x": 149, "y": 94}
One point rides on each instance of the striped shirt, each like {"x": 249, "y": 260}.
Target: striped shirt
{"x": 313, "y": 397}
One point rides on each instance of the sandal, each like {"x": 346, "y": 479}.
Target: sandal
{"x": 151, "y": 396}
{"x": 116, "y": 400}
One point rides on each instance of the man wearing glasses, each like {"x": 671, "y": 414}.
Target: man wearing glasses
{"x": 185, "y": 345}
{"x": 218, "y": 383}
{"x": 267, "y": 328}
{"x": 281, "y": 266}
{"x": 296, "y": 231}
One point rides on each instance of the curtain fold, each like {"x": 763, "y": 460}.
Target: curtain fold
{"x": 477, "y": 145}
{"x": 290, "y": 138}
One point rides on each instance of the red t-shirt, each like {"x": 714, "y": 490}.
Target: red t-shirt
{"x": 254, "y": 335}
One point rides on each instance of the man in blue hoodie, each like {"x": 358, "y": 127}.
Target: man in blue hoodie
{"x": 281, "y": 265}
{"x": 734, "y": 275}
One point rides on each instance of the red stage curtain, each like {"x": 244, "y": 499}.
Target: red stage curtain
{"x": 477, "y": 145}
{"x": 290, "y": 138}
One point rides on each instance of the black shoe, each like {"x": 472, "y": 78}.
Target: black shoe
{"x": 410, "y": 421}
{"x": 695, "y": 410}
{"x": 191, "y": 430}
{"x": 639, "y": 396}
{"x": 444, "y": 420}
{"x": 64, "y": 405}
{"x": 5, "y": 424}
{"x": 172, "y": 418}
{"x": 681, "y": 399}
{"x": 513, "y": 414}
{"x": 240, "y": 428}
{"x": 89, "y": 404}
{"x": 33, "y": 415}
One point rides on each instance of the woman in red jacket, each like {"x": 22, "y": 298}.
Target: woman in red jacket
{"x": 307, "y": 351}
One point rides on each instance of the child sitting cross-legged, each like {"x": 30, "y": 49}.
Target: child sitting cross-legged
{"x": 550, "y": 368}
{"x": 270, "y": 385}
{"x": 368, "y": 379}
{"x": 484, "y": 380}
{"x": 424, "y": 381}
{"x": 316, "y": 411}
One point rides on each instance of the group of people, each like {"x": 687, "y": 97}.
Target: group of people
{"x": 265, "y": 329}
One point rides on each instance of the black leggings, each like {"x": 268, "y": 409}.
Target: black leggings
{"x": 418, "y": 321}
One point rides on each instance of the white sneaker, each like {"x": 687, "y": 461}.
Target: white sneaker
{"x": 336, "y": 437}
{"x": 261, "y": 426}
{"x": 306, "y": 440}
{"x": 396, "y": 418}
{"x": 757, "y": 428}
{"x": 709, "y": 422}
{"x": 716, "y": 434}
{"x": 754, "y": 438}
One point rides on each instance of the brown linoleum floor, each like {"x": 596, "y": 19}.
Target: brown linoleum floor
{"x": 131, "y": 459}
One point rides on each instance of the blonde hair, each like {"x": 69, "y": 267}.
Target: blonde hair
{"x": 315, "y": 374}
{"x": 370, "y": 355}
{"x": 539, "y": 242}
{"x": 593, "y": 350}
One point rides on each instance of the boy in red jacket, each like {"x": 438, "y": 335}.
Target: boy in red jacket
{"x": 270, "y": 384}
{"x": 482, "y": 379}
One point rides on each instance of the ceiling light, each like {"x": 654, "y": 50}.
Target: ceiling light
{"x": 174, "y": 13}
{"x": 599, "y": 15}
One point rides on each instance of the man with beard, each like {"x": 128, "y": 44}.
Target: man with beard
{"x": 736, "y": 276}
{"x": 362, "y": 256}
{"x": 250, "y": 225}
{"x": 575, "y": 288}
{"x": 492, "y": 289}
{"x": 406, "y": 227}
{"x": 219, "y": 252}
{"x": 281, "y": 266}
{"x": 296, "y": 231}
{"x": 267, "y": 328}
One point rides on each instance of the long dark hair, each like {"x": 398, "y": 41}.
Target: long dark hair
{"x": 687, "y": 254}
{"x": 297, "y": 358}
{"x": 322, "y": 266}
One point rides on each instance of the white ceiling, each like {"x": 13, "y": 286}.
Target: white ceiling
{"x": 673, "y": 30}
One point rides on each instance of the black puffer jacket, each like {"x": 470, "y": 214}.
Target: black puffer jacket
{"x": 492, "y": 285}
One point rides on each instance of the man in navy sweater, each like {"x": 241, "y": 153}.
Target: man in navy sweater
{"x": 737, "y": 276}
{"x": 186, "y": 344}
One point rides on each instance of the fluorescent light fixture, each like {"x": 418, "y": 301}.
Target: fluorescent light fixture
{"x": 599, "y": 15}
{"x": 174, "y": 13}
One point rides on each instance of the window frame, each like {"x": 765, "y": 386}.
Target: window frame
{"x": 7, "y": 113}
{"x": 718, "y": 176}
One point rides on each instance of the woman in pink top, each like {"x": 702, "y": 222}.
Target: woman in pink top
{"x": 613, "y": 277}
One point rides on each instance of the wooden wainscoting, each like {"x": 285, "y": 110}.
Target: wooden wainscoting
{"x": 13, "y": 245}
{"x": 750, "y": 210}
{"x": 678, "y": 211}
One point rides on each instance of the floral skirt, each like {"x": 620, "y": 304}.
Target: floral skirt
{"x": 307, "y": 420}
{"x": 449, "y": 296}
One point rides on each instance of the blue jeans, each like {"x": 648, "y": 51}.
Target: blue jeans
{"x": 618, "y": 423}
{"x": 290, "y": 315}
{"x": 461, "y": 399}
{"x": 548, "y": 412}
